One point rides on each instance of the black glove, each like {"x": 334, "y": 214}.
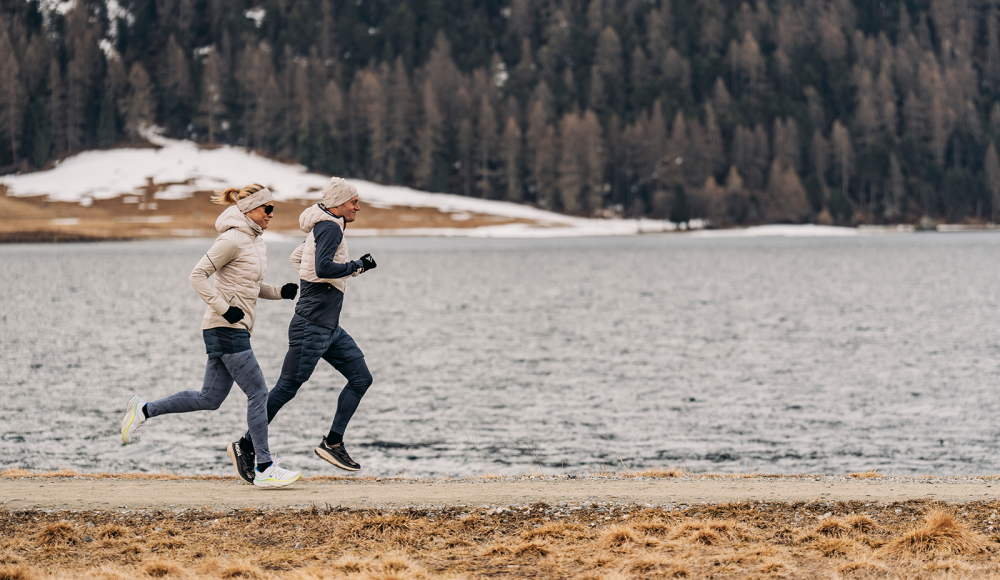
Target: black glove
{"x": 289, "y": 290}
{"x": 233, "y": 315}
{"x": 368, "y": 263}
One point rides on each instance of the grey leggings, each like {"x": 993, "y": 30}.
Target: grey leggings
{"x": 219, "y": 376}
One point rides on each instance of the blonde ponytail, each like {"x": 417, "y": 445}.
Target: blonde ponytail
{"x": 231, "y": 195}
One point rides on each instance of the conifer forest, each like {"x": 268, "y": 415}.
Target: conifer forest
{"x": 738, "y": 111}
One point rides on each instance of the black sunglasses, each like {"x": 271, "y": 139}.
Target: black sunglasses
{"x": 268, "y": 209}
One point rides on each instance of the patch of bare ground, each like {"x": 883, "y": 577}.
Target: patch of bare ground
{"x": 142, "y": 215}
{"x": 924, "y": 539}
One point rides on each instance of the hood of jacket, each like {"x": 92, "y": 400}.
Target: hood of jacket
{"x": 314, "y": 214}
{"x": 234, "y": 218}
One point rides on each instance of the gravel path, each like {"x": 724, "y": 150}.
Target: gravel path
{"x": 82, "y": 493}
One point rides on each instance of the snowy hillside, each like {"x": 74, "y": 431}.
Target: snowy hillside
{"x": 181, "y": 168}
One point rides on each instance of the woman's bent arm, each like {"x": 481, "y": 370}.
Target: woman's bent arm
{"x": 216, "y": 257}
{"x": 269, "y": 292}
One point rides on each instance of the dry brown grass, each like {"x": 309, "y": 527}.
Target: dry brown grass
{"x": 16, "y": 572}
{"x": 30, "y": 219}
{"x": 733, "y": 540}
{"x": 940, "y": 535}
{"x": 871, "y": 474}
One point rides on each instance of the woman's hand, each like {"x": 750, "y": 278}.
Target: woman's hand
{"x": 234, "y": 314}
{"x": 289, "y": 290}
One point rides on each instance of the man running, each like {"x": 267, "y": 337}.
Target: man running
{"x": 315, "y": 331}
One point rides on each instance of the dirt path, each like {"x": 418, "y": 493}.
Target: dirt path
{"x": 112, "y": 494}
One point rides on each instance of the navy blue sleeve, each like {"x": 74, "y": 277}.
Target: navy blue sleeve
{"x": 328, "y": 237}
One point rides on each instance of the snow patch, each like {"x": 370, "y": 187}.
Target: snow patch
{"x": 257, "y": 15}
{"x": 184, "y": 169}
{"x": 780, "y": 230}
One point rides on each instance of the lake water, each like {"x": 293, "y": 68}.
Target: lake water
{"x": 770, "y": 355}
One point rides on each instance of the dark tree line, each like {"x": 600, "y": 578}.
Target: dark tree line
{"x": 833, "y": 111}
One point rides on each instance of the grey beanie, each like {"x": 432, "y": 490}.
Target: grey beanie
{"x": 337, "y": 192}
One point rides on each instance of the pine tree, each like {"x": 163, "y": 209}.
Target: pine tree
{"x": 370, "y": 108}
{"x": 543, "y": 168}
{"x": 897, "y": 188}
{"x": 177, "y": 89}
{"x": 511, "y": 147}
{"x": 843, "y": 155}
{"x": 738, "y": 208}
{"x": 486, "y": 145}
{"x": 82, "y": 73}
{"x": 428, "y": 139}
{"x": 820, "y": 155}
{"x": 12, "y": 96}
{"x": 212, "y": 105}
{"x": 786, "y": 143}
{"x": 57, "y": 107}
{"x": 992, "y": 64}
{"x": 678, "y": 147}
{"x": 138, "y": 107}
{"x": 714, "y": 146}
{"x": 991, "y": 171}
{"x": 661, "y": 30}
{"x": 761, "y": 158}
{"x": 400, "y": 113}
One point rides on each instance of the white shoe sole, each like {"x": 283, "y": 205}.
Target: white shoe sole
{"x": 272, "y": 483}
{"x": 322, "y": 453}
{"x": 131, "y": 422}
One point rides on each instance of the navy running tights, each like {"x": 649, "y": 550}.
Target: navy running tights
{"x": 358, "y": 380}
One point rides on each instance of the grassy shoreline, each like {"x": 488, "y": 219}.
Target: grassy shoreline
{"x": 913, "y": 539}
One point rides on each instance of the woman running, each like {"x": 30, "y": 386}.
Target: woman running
{"x": 239, "y": 260}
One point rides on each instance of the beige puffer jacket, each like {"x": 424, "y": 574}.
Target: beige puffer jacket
{"x": 238, "y": 258}
{"x": 304, "y": 256}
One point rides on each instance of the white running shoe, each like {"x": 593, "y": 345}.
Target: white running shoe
{"x": 275, "y": 476}
{"x": 133, "y": 418}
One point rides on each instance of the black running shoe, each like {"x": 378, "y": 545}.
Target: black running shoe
{"x": 242, "y": 455}
{"x": 337, "y": 455}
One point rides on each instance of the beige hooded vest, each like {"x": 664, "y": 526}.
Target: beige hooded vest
{"x": 304, "y": 256}
{"x": 238, "y": 258}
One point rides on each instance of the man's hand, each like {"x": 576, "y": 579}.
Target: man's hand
{"x": 233, "y": 315}
{"x": 289, "y": 290}
{"x": 368, "y": 263}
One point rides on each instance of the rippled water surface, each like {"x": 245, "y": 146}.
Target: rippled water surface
{"x": 567, "y": 356}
